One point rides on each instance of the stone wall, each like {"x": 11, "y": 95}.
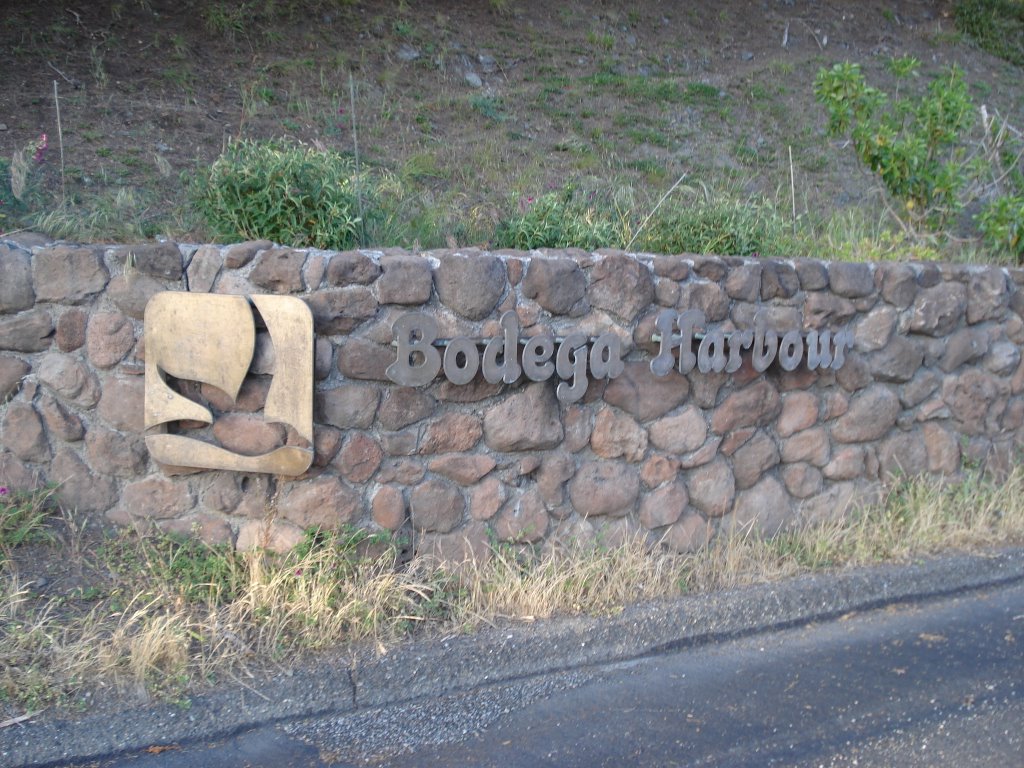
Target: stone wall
{"x": 933, "y": 381}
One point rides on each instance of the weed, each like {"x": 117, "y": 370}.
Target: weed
{"x": 22, "y": 518}
{"x": 556, "y": 220}
{"x": 995, "y": 25}
{"x": 489, "y": 107}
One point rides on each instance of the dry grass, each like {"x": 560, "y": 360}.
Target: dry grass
{"x": 179, "y": 614}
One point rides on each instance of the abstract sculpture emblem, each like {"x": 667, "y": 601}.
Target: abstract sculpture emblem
{"x": 211, "y": 339}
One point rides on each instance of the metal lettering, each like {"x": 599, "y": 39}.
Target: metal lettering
{"x": 791, "y": 350}
{"x": 711, "y": 353}
{"x": 464, "y": 373}
{"x": 537, "y": 354}
{"x": 418, "y": 361}
{"x": 606, "y": 357}
{"x": 739, "y": 341}
{"x": 575, "y": 344}
{"x": 843, "y": 342}
{"x": 689, "y": 321}
{"x": 665, "y": 360}
{"x": 763, "y": 355}
{"x": 507, "y": 345}
{"x": 818, "y": 353}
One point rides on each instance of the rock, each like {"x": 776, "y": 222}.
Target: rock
{"x": 604, "y": 488}
{"x": 473, "y": 80}
{"x": 801, "y": 480}
{"x": 970, "y": 397}
{"x": 69, "y": 379}
{"x": 898, "y": 283}
{"x": 387, "y": 508}
{"x": 131, "y": 293}
{"x": 554, "y": 471}
{"x": 744, "y": 282}
{"x": 522, "y": 519}
{"x": 403, "y": 406}
{"x": 326, "y": 442}
{"x": 987, "y": 295}
{"x": 272, "y": 535}
{"x": 464, "y": 470}
{"x": 121, "y": 404}
{"x": 872, "y": 413}
{"x": 279, "y": 270}
{"x": 351, "y": 268}
{"x": 875, "y": 330}
{"x": 855, "y": 373}
{"x": 851, "y": 280}
{"x": 681, "y": 433}
{"x": 671, "y": 267}
{"x": 340, "y": 310}
{"x": 918, "y": 389}
{"x": 453, "y": 432}
{"x": 938, "y": 310}
{"x": 347, "y": 406}
{"x": 753, "y": 459}
{"x": 709, "y": 298}
{"x": 109, "y": 338}
{"x": 23, "y": 433}
{"x": 16, "y": 291}
{"x": 360, "y": 458}
{"x": 799, "y": 411}
{"x": 963, "y": 346}
{"x": 526, "y": 421}
{"x": 323, "y": 358}
{"x": 256, "y": 496}
{"x": 813, "y": 275}
{"x": 558, "y": 284}
{"x": 778, "y": 280}
{"x": 578, "y": 427}
{"x": 470, "y": 284}
{"x": 690, "y": 533}
{"x": 251, "y": 397}
{"x": 248, "y": 434}
{"x": 156, "y": 498}
{"x": 754, "y": 405}
{"x": 111, "y": 453}
{"x": 712, "y": 488}
{"x": 16, "y": 475}
{"x": 658, "y": 469}
{"x": 437, "y": 506}
{"x": 847, "y": 463}
{"x": 663, "y": 506}
{"x": 765, "y": 509}
{"x": 313, "y": 271}
{"x": 402, "y": 471}
{"x": 616, "y": 434}
{"x": 1002, "y": 360}
{"x": 666, "y": 293}
{"x": 71, "y": 329}
{"x": 824, "y": 311}
{"x": 406, "y": 280}
{"x": 486, "y": 498}
{"x": 942, "y": 448}
{"x": 898, "y": 361}
{"x": 159, "y": 260}
{"x": 26, "y": 332}
{"x": 240, "y": 254}
{"x": 362, "y": 359}
{"x": 80, "y": 490}
{"x": 323, "y": 502}
{"x": 12, "y": 371}
{"x": 621, "y": 285}
{"x": 644, "y": 395}
{"x": 204, "y": 268}
{"x": 902, "y": 455}
{"x": 68, "y": 274}
{"x": 223, "y": 494}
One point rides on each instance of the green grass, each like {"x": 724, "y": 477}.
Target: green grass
{"x": 995, "y": 25}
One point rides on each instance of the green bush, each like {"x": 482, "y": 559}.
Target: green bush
{"x": 556, "y": 220}
{"x": 1002, "y": 224}
{"x": 285, "y": 192}
{"x": 724, "y": 226}
{"x": 995, "y": 25}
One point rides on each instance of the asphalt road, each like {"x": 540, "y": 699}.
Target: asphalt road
{"x": 939, "y": 683}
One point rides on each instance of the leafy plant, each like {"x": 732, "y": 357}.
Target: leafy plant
{"x": 556, "y": 220}
{"x": 996, "y": 25}
{"x": 22, "y": 518}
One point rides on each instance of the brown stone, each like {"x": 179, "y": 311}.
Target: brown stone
{"x": 406, "y": 280}
{"x": 825, "y": 311}
{"x": 159, "y": 260}
{"x": 252, "y": 396}
{"x": 388, "y": 508}
{"x": 802, "y": 480}
{"x": 680, "y": 433}
{"x": 604, "y": 488}
{"x": 247, "y": 434}
{"x": 26, "y": 332}
{"x": 323, "y": 358}
{"x": 813, "y": 274}
{"x": 836, "y": 404}
{"x": 131, "y": 293}
{"x": 109, "y": 338}
{"x": 942, "y": 448}
{"x": 256, "y": 495}
{"x": 666, "y": 292}
{"x": 478, "y": 389}
{"x": 712, "y": 488}
{"x": 872, "y": 413}
{"x": 71, "y": 380}
{"x": 971, "y": 398}
{"x": 340, "y": 310}
{"x": 112, "y": 453}
{"x": 361, "y": 359}
{"x": 938, "y": 310}
{"x": 522, "y": 519}
{"x": 157, "y": 498}
{"x": 486, "y": 498}
{"x": 709, "y": 267}
{"x": 326, "y": 442}
{"x": 15, "y": 474}
{"x": 436, "y": 506}
{"x": 279, "y": 270}
{"x": 744, "y": 282}
{"x": 753, "y": 459}
{"x": 399, "y": 443}
{"x": 617, "y": 434}
{"x": 471, "y": 543}
{"x": 902, "y": 455}
{"x": 875, "y": 330}
{"x": 847, "y": 463}
{"x": 70, "y": 333}
{"x": 663, "y": 506}
{"x": 313, "y": 273}
{"x": 204, "y": 268}
{"x": 403, "y": 406}
{"x": 348, "y": 406}
{"x": 898, "y": 283}
{"x": 754, "y": 405}
{"x": 470, "y": 284}
{"x": 277, "y": 536}
{"x": 778, "y": 280}
{"x": 658, "y": 469}
{"x": 765, "y": 509}
{"x": 351, "y": 268}
{"x": 644, "y": 395}
{"x": 554, "y": 471}
{"x": 360, "y": 457}
{"x": 851, "y": 279}
{"x": 12, "y": 371}
{"x": 16, "y": 291}
{"x": 672, "y": 267}
{"x": 621, "y": 285}
{"x": 898, "y": 361}
{"x": 240, "y": 254}
{"x": 578, "y": 427}
{"x": 23, "y": 433}
{"x": 987, "y": 295}
{"x": 799, "y": 411}
{"x": 401, "y": 471}
{"x": 736, "y": 440}
{"x": 855, "y": 373}
{"x": 464, "y": 470}
{"x": 690, "y": 533}
{"x": 810, "y": 445}
{"x": 224, "y": 493}
{"x": 963, "y": 346}
{"x": 68, "y": 274}
{"x": 526, "y": 421}
{"x": 709, "y": 298}
{"x": 323, "y": 502}
{"x": 558, "y": 285}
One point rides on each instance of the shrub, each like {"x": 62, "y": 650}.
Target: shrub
{"x": 720, "y": 226}
{"x": 995, "y": 25}
{"x": 556, "y": 220}
{"x": 284, "y": 192}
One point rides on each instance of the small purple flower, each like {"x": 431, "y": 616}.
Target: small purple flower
{"x": 41, "y": 146}
{"x": 4, "y": 490}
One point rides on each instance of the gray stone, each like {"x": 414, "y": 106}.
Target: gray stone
{"x": 709, "y": 298}
{"x": 523, "y": 519}
{"x": 159, "y": 260}
{"x": 12, "y": 371}
{"x": 558, "y": 285}
{"x": 875, "y": 330}
{"x": 918, "y": 389}
{"x": 406, "y": 280}
{"x": 60, "y": 422}
{"x": 764, "y": 509}
{"x": 131, "y": 293}
{"x": 351, "y": 268}
{"x": 279, "y": 270}
{"x": 987, "y": 295}
{"x": 872, "y": 413}
{"x": 526, "y": 421}
{"x": 663, "y": 506}
{"x": 23, "y": 434}
{"x": 110, "y": 336}
{"x": 813, "y": 274}
{"x": 340, "y": 310}
{"x": 712, "y": 488}
{"x": 121, "y": 404}
{"x": 971, "y": 398}
{"x": 462, "y": 469}
{"x": 744, "y": 282}
{"x": 621, "y": 285}
{"x": 903, "y": 455}
{"x": 754, "y": 405}
{"x": 811, "y": 445}
{"x": 16, "y": 291}
{"x": 938, "y": 310}
{"x": 26, "y": 332}
{"x": 1002, "y": 360}
{"x": 802, "y": 480}
{"x": 964, "y": 346}
{"x": 604, "y": 488}
{"x": 671, "y": 267}
{"x": 204, "y": 268}
{"x": 644, "y": 395}
{"x": 361, "y": 359}
{"x": 112, "y": 453}
{"x": 898, "y": 361}
{"x": 68, "y": 274}
{"x": 347, "y": 406}
{"x": 471, "y": 283}
{"x": 688, "y": 534}
{"x": 70, "y": 379}
{"x": 80, "y": 490}
{"x": 753, "y": 459}
{"x": 240, "y": 254}
{"x": 826, "y": 311}
{"x": 277, "y": 536}
{"x": 851, "y": 280}
{"x": 436, "y": 506}
{"x": 898, "y": 283}
{"x": 778, "y": 281}
{"x": 403, "y": 406}
{"x": 680, "y": 433}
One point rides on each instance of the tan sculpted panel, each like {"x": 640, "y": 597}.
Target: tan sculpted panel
{"x": 211, "y": 339}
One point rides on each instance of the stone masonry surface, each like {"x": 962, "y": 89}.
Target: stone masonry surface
{"x": 934, "y": 382}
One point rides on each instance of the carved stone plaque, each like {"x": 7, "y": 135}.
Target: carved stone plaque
{"x": 211, "y": 339}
